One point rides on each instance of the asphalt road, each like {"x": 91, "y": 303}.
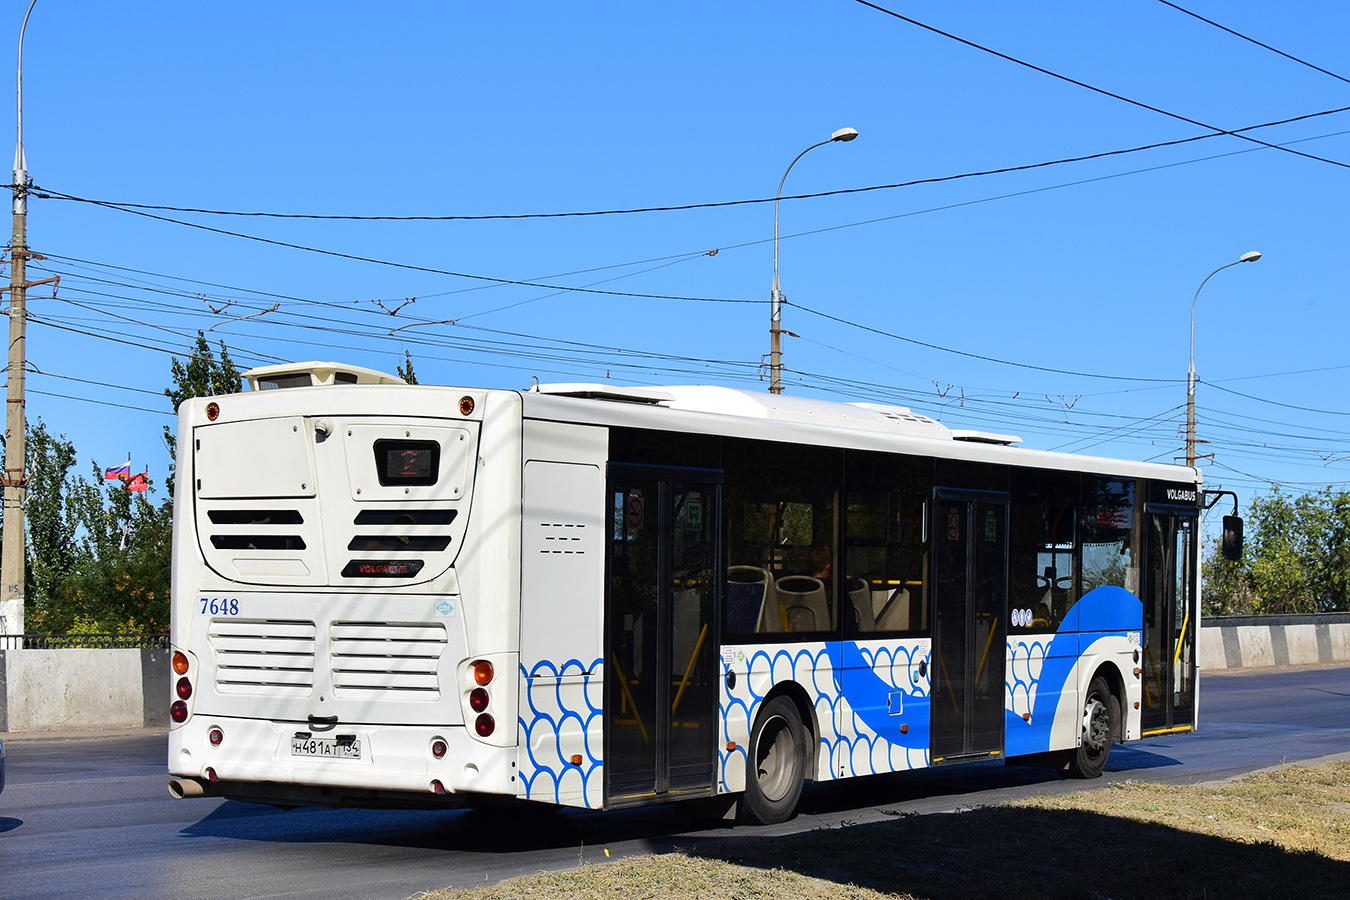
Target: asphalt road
{"x": 91, "y": 816}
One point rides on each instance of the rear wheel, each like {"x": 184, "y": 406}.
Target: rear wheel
{"x": 777, "y": 764}
{"x": 1100, "y": 712}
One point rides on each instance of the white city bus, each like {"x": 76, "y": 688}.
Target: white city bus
{"x": 597, "y": 596}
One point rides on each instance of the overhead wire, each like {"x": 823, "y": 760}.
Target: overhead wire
{"x": 1083, "y": 84}
{"x": 1252, "y": 40}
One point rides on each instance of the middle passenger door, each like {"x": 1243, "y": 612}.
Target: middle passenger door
{"x": 970, "y": 590}
{"x": 661, "y": 713}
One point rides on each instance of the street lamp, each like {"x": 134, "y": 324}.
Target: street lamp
{"x": 776, "y": 307}
{"x": 1249, "y": 256}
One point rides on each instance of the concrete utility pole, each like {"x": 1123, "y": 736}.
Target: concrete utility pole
{"x": 15, "y": 479}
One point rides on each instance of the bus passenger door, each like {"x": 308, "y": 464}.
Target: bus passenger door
{"x": 661, "y": 713}
{"x": 1169, "y": 620}
{"x": 970, "y": 588}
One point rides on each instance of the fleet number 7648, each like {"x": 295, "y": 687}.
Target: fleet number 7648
{"x": 219, "y": 606}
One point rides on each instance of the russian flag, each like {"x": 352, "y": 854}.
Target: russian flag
{"x": 117, "y": 473}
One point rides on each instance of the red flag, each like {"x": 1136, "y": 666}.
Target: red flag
{"x": 139, "y": 481}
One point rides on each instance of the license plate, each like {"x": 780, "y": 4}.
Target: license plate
{"x": 325, "y": 748}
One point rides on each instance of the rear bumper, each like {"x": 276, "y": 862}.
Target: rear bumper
{"x": 254, "y": 762}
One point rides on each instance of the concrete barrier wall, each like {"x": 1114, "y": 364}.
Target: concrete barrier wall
{"x": 1234, "y": 642}
{"x": 75, "y": 690}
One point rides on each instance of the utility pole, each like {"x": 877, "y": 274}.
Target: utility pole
{"x": 15, "y": 478}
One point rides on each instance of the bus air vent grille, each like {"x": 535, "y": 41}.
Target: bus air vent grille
{"x": 267, "y": 657}
{"x": 387, "y": 658}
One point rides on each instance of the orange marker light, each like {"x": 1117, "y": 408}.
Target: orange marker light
{"x": 213, "y": 411}
{"x": 465, "y": 406}
{"x": 731, "y": 745}
{"x": 576, "y": 759}
{"x": 482, "y": 671}
{"x": 180, "y": 662}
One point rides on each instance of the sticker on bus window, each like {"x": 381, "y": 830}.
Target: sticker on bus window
{"x": 695, "y": 520}
{"x": 635, "y": 512}
{"x": 990, "y": 526}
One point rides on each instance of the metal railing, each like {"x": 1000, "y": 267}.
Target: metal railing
{"x": 157, "y": 641}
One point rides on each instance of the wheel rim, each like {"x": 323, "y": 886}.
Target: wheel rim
{"x": 775, "y": 759}
{"x": 1096, "y": 725}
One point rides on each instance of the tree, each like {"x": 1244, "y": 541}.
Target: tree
{"x": 201, "y": 376}
{"x": 52, "y": 549}
{"x": 122, "y": 581}
{"x": 1297, "y": 558}
{"x": 405, "y": 369}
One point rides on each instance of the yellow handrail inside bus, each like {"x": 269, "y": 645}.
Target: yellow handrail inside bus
{"x": 1185, "y": 623}
{"x": 985, "y": 656}
{"x": 689, "y": 670}
{"x": 623, "y": 686}
{"x": 945, "y": 677}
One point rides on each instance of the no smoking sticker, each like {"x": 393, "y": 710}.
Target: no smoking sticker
{"x": 636, "y": 512}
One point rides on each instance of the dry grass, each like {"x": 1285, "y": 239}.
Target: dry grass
{"x": 1281, "y": 833}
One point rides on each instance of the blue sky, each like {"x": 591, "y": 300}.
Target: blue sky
{"x": 438, "y": 109}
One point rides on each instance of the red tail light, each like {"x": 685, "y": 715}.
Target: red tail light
{"x": 178, "y": 712}
{"x": 478, "y": 699}
{"x": 215, "y": 736}
{"x": 438, "y": 748}
{"x": 184, "y": 688}
{"x": 484, "y": 725}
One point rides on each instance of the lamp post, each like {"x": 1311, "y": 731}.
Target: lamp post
{"x": 14, "y": 480}
{"x": 776, "y": 306}
{"x": 1249, "y": 256}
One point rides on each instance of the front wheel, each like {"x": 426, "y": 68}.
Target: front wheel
{"x": 1100, "y": 712}
{"x": 776, "y": 765}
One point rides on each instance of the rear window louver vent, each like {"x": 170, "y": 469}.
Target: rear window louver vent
{"x": 405, "y": 516}
{"x": 399, "y": 542}
{"x": 257, "y": 542}
{"x": 255, "y": 517}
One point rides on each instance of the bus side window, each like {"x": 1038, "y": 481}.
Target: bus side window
{"x": 1042, "y": 555}
{"x": 780, "y": 524}
{"x": 886, "y": 562}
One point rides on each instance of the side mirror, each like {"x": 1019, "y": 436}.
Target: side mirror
{"x": 1232, "y": 538}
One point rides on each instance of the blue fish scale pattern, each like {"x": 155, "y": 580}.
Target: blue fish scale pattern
{"x": 562, "y": 719}
{"x": 1025, "y": 659}
{"x": 852, "y": 688}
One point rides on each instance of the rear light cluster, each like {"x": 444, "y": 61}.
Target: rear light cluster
{"x": 479, "y": 699}
{"x": 178, "y": 710}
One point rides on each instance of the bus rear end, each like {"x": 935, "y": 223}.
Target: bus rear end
{"x": 343, "y": 628}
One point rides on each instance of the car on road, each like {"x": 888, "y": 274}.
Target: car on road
{"x": 2, "y": 767}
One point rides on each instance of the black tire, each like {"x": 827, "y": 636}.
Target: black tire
{"x": 777, "y": 764}
{"x": 1101, "y": 713}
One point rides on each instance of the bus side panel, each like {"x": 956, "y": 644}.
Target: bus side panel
{"x": 562, "y": 614}
{"x": 883, "y": 713}
{"x": 1040, "y": 668}
{"x": 1049, "y": 674}
{"x": 869, "y": 704}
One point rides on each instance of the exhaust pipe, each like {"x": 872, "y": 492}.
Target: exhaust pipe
{"x": 182, "y": 788}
